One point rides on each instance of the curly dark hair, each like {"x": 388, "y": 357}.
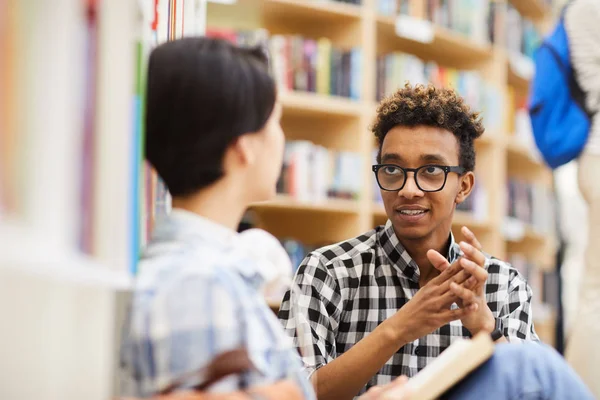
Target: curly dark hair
{"x": 430, "y": 106}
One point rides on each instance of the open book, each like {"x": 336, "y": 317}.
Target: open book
{"x": 456, "y": 362}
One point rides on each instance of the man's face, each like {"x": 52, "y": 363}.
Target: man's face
{"x": 414, "y": 213}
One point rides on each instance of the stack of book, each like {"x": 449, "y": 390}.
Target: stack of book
{"x": 305, "y": 64}
{"x": 395, "y": 69}
{"x": 314, "y": 173}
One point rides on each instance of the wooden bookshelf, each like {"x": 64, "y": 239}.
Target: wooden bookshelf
{"x": 446, "y": 46}
{"x": 314, "y": 105}
{"x": 315, "y": 11}
{"x": 342, "y": 124}
{"x": 328, "y": 206}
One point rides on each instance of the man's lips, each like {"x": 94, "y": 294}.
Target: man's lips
{"x": 411, "y": 213}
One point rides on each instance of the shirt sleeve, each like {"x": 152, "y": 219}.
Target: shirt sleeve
{"x": 181, "y": 330}
{"x": 516, "y": 313}
{"x": 310, "y": 312}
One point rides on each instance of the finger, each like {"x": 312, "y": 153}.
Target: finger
{"x": 471, "y": 238}
{"x": 460, "y": 278}
{"x": 448, "y": 270}
{"x": 478, "y": 274}
{"x": 396, "y": 390}
{"x": 372, "y": 393}
{"x": 467, "y": 296}
{"x": 458, "y": 313}
{"x": 446, "y": 299}
{"x": 472, "y": 253}
{"x": 438, "y": 261}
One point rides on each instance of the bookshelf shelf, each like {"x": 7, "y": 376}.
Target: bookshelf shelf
{"x": 447, "y": 47}
{"x": 517, "y": 81}
{"x": 520, "y": 157}
{"x": 532, "y": 9}
{"x": 289, "y": 204}
{"x": 520, "y": 71}
{"x": 313, "y": 11}
{"x": 314, "y": 104}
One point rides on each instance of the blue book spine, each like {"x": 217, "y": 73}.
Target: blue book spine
{"x": 355, "y": 73}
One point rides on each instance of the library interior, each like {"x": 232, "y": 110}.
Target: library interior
{"x": 79, "y": 200}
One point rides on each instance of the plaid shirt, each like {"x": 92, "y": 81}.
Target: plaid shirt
{"x": 195, "y": 297}
{"x": 342, "y": 292}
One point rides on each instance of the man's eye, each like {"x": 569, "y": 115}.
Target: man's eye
{"x": 392, "y": 170}
{"x": 432, "y": 170}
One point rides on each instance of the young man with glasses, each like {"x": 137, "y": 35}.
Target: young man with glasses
{"x": 379, "y": 305}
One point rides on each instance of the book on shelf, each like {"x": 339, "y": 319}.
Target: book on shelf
{"x": 313, "y": 173}
{"x": 522, "y": 36}
{"x": 470, "y": 18}
{"x": 160, "y": 21}
{"x": 394, "y": 69}
{"x": 532, "y": 204}
{"x": 304, "y": 64}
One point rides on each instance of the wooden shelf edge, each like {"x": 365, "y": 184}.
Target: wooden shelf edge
{"x": 319, "y": 104}
{"x": 532, "y": 9}
{"x": 444, "y": 41}
{"x": 316, "y": 8}
{"x": 515, "y": 148}
{"x": 287, "y": 203}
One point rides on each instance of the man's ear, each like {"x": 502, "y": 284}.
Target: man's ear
{"x": 467, "y": 181}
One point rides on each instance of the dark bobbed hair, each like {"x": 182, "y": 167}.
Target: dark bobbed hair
{"x": 202, "y": 94}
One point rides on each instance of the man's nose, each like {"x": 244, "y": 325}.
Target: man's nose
{"x": 410, "y": 189}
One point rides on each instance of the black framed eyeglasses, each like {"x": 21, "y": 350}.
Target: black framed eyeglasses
{"x": 429, "y": 178}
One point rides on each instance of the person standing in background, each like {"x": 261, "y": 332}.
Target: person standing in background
{"x": 583, "y": 29}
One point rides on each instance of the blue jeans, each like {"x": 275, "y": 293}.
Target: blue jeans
{"x": 528, "y": 371}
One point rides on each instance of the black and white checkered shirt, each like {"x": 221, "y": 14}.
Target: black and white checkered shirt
{"x": 345, "y": 290}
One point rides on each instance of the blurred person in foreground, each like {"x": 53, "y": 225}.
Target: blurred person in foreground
{"x": 583, "y": 30}
{"x": 213, "y": 134}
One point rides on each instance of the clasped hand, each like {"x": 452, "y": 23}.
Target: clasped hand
{"x": 462, "y": 282}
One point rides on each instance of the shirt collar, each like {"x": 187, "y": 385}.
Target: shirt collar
{"x": 399, "y": 257}
{"x": 183, "y": 225}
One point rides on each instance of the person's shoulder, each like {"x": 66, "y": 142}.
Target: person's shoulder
{"x": 496, "y": 266}
{"x": 347, "y": 249}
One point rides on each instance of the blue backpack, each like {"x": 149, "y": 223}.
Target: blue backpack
{"x": 559, "y": 118}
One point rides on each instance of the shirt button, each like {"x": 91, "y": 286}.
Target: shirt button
{"x": 419, "y": 351}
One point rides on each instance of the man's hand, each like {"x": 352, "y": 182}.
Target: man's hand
{"x": 430, "y": 309}
{"x": 469, "y": 285}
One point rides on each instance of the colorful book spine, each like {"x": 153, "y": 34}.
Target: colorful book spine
{"x": 314, "y": 173}
{"x": 304, "y": 64}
